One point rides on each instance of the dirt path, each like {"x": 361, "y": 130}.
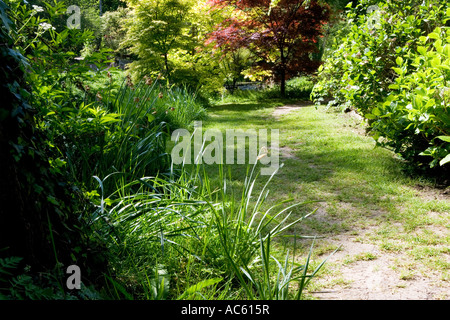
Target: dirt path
{"x": 375, "y": 279}
{"x": 373, "y": 275}
{"x": 289, "y": 108}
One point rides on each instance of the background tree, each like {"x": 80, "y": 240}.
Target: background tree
{"x": 282, "y": 34}
{"x": 155, "y": 29}
{"x": 233, "y": 65}
{"x": 113, "y": 31}
{"x": 167, "y": 37}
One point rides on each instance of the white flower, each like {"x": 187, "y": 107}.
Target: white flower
{"x": 46, "y": 26}
{"x": 37, "y": 8}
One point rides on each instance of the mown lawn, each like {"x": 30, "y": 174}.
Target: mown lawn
{"x": 361, "y": 190}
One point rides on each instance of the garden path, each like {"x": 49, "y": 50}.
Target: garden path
{"x": 374, "y": 275}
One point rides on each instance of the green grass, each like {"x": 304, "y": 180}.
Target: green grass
{"x": 358, "y": 187}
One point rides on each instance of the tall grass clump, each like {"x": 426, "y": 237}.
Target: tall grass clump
{"x": 175, "y": 237}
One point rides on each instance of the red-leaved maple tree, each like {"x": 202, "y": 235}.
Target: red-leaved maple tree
{"x": 283, "y": 34}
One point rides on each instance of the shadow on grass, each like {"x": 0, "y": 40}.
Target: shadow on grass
{"x": 251, "y": 105}
{"x": 241, "y": 107}
{"x": 328, "y": 159}
{"x": 325, "y": 159}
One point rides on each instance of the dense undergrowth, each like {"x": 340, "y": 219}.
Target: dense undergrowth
{"x": 138, "y": 227}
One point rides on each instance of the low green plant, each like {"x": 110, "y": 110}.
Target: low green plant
{"x": 240, "y": 225}
{"x": 268, "y": 287}
{"x": 20, "y": 283}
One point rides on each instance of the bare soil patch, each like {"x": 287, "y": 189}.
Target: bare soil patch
{"x": 279, "y": 111}
{"x": 368, "y": 273}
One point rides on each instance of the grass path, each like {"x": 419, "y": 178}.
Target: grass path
{"x": 392, "y": 230}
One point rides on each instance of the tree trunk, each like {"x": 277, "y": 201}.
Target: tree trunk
{"x": 283, "y": 83}
{"x": 233, "y": 86}
{"x": 166, "y": 65}
{"x": 282, "y": 73}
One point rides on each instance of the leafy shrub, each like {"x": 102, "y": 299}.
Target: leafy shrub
{"x": 41, "y": 206}
{"x": 78, "y": 124}
{"x": 382, "y": 68}
{"x": 417, "y": 105}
